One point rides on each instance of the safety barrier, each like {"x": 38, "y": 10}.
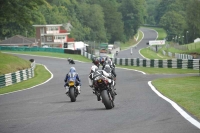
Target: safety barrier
{"x": 57, "y": 50}
{"x": 172, "y": 63}
{"x": 177, "y": 55}
{"x": 16, "y": 77}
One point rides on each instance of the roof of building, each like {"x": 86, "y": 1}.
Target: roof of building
{"x": 49, "y": 25}
{"x": 18, "y": 39}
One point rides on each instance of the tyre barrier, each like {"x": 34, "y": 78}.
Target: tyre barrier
{"x": 167, "y": 63}
{"x": 16, "y": 77}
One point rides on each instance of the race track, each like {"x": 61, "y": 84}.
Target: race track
{"x": 46, "y": 108}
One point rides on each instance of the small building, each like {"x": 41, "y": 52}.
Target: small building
{"x": 51, "y": 35}
{"x": 75, "y": 45}
{"x": 18, "y": 41}
{"x": 197, "y": 40}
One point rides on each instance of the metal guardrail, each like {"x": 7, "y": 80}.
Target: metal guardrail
{"x": 16, "y": 77}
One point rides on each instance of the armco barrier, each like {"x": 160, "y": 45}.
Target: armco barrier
{"x": 172, "y": 63}
{"x": 12, "y": 78}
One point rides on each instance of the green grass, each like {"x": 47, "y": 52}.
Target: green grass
{"x": 51, "y": 54}
{"x": 183, "y": 90}
{"x": 10, "y": 63}
{"x": 194, "y": 46}
{"x": 152, "y": 70}
{"x": 41, "y": 75}
{"x": 147, "y": 53}
{"x": 132, "y": 41}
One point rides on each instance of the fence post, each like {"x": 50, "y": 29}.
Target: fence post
{"x": 199, "y": 67}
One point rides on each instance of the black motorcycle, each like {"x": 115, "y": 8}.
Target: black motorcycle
{"x": 73, "y": 90}
{"x": 104, "y": 90}
{"x": 71, "y": 61}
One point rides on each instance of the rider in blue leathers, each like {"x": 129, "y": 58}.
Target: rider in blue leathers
{"x": 72, "y": 71}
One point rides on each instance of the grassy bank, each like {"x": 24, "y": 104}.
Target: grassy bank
{"x": 41, "y": 75}
{"x": 10, "y": 63}
{"x": 132, "y": 41}
{"x": 147, "y": 53}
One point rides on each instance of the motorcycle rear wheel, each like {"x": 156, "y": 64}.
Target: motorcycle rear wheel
{"x": 72, "y": 94}
{"x": 107, "y": 99}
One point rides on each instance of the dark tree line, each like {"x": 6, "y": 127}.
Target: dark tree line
{"x": 96, "y": 20}
{"x": 180, "y": 18}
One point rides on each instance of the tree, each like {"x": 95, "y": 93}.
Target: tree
{"x": 132, "y": 16}
{"x": 173, "y": 22}
{"x": 193, "y": 19}
{"x": 93, "y": 17}
{"x": 113, "y": 21}
{"x": 17, "y": 16}
{"x": 161, "y": 9}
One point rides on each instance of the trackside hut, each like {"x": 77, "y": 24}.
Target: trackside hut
{"x": 75, "y": 45}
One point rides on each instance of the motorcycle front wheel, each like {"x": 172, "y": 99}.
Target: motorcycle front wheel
{"x": 107, "y": 99}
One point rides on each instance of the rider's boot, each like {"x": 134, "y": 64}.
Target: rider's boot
{"x": 79, "y": 89}
{"x": 66, "y": 90}
{"x": 98, "y": 98}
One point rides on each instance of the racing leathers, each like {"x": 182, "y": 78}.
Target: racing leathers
{"x": 112, "y": 66}
{"x": 77, "y": 81}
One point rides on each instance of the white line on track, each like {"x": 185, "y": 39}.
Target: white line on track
{"x": 178, "y": 108}
{"x": 135, "y": 44}
{"x": 35, "y": 85}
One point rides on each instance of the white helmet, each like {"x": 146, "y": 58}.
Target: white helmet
{"x": 94, "y": 68}
{"x": 107, "y": 68}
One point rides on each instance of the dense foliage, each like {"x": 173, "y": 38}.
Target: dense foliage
{"x": 180, "y": 18}
{"x": 94, "y": 20}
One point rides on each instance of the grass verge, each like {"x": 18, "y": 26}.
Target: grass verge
{"x": 10, "y": 63}
{"x": 51, "y": 54}
{"x": 41, "y": 75}
{"x": 183, "y": 90}
{"x": 147, "y": 53}
{"x": 131, "y": 42}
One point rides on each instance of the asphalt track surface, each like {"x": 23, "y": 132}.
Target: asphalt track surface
{"x": 46, "y": 109}
{"x": 148, "y": 35}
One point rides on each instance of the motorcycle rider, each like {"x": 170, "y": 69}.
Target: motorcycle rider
{"x": 95, "y": 70}
{"x": 112, "y": 66}
{"x": 72, "y": 71}
{"x": 96, "y": 62}
{"x": 113, "y": 79}
{"x": 71, "y": 61}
